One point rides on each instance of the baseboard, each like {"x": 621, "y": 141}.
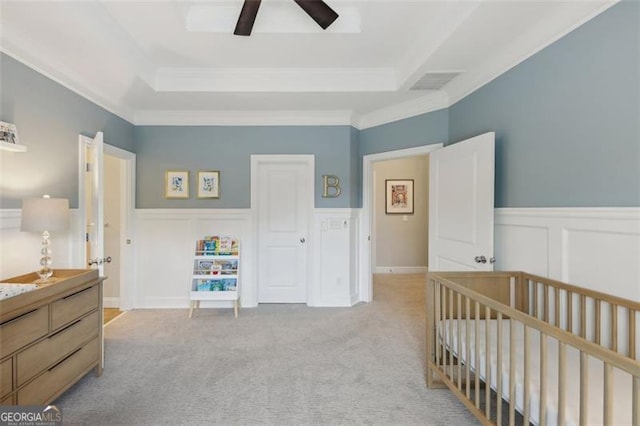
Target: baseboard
{"x": 400, "y": 270}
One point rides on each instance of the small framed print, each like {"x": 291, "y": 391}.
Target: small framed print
{"x": 8, "y": 133}
{"x": 399, "y": 196}
{"x": 176, "y": 184}
{"x": 208, "y": 184}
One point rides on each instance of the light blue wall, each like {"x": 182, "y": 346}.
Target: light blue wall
{"x": 567, "y": 120}
{"x": 49, "y": 119}
{"x": 424, "y": 129}
{"x": 228, "y": 149}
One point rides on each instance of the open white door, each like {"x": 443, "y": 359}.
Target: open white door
{"x": 94, "y": 207}
{"x": 461, "y": 193}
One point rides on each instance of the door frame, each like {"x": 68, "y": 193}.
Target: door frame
{"x": 367, "y": 231}
{"x": 127, "y": 206}
{"x": 258, "y": 160}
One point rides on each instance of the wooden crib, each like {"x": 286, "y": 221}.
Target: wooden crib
{"x": 516, "y": 347}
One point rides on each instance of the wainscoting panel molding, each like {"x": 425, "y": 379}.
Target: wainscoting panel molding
{"x": 596, "y": 248}
{"x": 336, "y": 259}
{"x": 165, "y": 243}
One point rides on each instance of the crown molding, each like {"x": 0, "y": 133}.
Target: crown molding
{"x": 431, "y": 102}
{"x": 243, "y": 118}
{"x": 66, "y": 80}
{"x": 520, "y": 50}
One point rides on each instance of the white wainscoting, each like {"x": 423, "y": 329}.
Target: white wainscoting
{"x": 20, "y": 251}
{"x": 165, "y": 243}
{"x": 596, "y": 248}
{"x": 335, "y": 263}
{"x": 165, "y": 240}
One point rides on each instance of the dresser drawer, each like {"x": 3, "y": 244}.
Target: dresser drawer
{"x": 73, "y": 306}
{"x": 6, "y": 377}
{"x": 23, "y": 330}
{"x": 55, "y": 379}
{"x": 40, "y": 356}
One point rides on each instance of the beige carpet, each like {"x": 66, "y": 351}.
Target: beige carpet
{"x": 275, "y": 364}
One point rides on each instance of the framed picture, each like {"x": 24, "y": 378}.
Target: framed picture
{"x": 399, "y": 196}
{"x": 8, "y": 133}
{"x": 176, "y": 184}
{"x": 208, "y": 184}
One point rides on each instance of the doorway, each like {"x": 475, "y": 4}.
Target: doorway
{"x": 368, "y": 187}
{"x": 282, "y": 193}
{"x": 106, "y": 200}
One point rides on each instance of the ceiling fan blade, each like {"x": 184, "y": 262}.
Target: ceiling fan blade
{"x": 247, "y": 17}
{"x": 319, "y": 11}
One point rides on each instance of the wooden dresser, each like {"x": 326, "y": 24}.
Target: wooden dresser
{"x": 50, "y": 337}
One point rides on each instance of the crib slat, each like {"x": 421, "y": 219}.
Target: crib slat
{"x": 459, "y": 341}
{"x": 545, "y": 301}
{"x": 556, "y": 299}
{"x": 598, "y": 321}
{"x": 583, "y": 316}
{"x": 584, "y": 388}
{"x": 543, "y": 379}
{"x": 635, "y": 402}
{"x": 569, "y": 312}
{"x": 534, "y": 285}
{"x": 614, "y": 327}
{"x": 632, "y": 334}
{"x": 476, "y": 345}
{"x": 487, "y": 355}
{"x": 439, "y": 324}
{"x": 512, "y": 372}
{"x": 527, "y": 376}
{"x": 607, "y": 399}
{"x": 499, "y": 369}
{"x": 451, "y": 334}
{"x": 562, "y": 397}
{"x": 467, "y": 312}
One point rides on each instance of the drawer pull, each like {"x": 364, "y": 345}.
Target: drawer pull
{"x": 65, "y": 328}
{"x": 18, "y": 317}
{"x": 64, "y": 359}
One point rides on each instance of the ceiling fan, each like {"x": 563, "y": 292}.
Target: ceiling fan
{"x": 317, "y": 9}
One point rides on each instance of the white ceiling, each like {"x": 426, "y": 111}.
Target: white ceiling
{"x": 138, "y": 59}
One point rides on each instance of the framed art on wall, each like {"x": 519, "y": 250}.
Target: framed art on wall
{"x": 176, "y": 184}
{"x": 208, "y": 184}
{"x": 399, "y": 196}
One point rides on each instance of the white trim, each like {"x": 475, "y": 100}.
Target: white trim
{"x": 244, "y": 118}
{"x": 309, "y": 161}
{"x": 366, "y": 230}
{"x": 422, "y": 105}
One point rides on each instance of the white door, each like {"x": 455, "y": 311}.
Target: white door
{"x": 461, "y": 192}
{"x": 94, "y": 202}
{"x": 284, "y": 202}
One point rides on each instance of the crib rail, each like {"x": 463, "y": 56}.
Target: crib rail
{"x": 568, "y": 317}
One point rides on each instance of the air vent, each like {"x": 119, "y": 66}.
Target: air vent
{"x": 434, "y": 80}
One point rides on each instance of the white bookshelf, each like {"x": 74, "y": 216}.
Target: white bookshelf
{"x": 215, "y": 273}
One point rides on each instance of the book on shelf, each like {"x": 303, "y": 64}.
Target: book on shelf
{"x": 223, "y": 284}
{"x": 217, "y": 245}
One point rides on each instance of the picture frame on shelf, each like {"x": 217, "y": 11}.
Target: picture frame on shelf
{"x": 208, "y": 184}
{"x": 399, "y": 196}
{"x": 8, "y": 133}
{"x": 176, "y": 184}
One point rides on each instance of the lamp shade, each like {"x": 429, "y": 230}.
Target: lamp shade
{"x": 45, "y": 214}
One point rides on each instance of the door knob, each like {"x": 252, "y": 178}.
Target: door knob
{"x": 302, "y": 240}
{"x": 107, "y": 259}
{"x": 480, "y": 259}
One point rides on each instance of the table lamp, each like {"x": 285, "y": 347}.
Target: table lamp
{"x": 44, "y": 215}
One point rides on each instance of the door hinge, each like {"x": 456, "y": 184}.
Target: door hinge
{"x": 88, "y": 167}
{"x": 86, "y": 237}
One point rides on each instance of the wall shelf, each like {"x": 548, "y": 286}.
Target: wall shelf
{"x": 14, "y": 147}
